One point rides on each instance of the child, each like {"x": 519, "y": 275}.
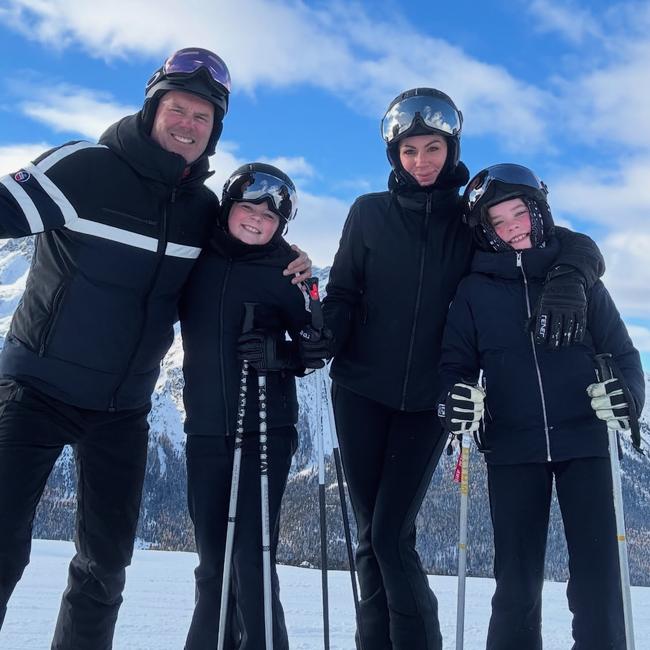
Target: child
{"x": 539, "y": 423}
{"x": 243, "y": 264}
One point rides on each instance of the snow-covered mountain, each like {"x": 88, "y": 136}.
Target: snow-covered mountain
{"x": 165, "y": 524}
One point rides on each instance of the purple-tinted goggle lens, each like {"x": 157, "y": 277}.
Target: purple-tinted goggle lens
{"x": 191, "y": 59}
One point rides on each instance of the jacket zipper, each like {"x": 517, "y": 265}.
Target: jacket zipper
{"x": 418, "y": 296}
{"x": 539, "y": 374}
{"x": 160, "y": 254}
{"x": 224, "y": 392}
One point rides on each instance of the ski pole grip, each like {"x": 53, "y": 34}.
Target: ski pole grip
{"x": 314, "y": 304}
{"x": 249, "y": 316}
{"x": 604, "y": 366}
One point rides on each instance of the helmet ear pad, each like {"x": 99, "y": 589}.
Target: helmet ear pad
{"x": 541, "y": 223}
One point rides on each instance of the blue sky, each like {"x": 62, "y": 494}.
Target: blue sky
{"x": 559, "y": 86}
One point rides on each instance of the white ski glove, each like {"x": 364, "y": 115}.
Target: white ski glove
{"x": 610, "y": 405}
{"x": 463, "y": 409}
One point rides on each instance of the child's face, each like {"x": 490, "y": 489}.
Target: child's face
{"x": 252, "y": 223}
{"x": 511, "y": 222}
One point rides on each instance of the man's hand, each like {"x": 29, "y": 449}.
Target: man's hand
{"x": 609, "y": 403}
{"x": 463, "y": 409}
{"x": 300, "y": 268}
{"x": 561, "y": 314}
{"x": 265, "y": 353}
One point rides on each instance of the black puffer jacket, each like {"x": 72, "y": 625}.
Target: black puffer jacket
{"x": 400, "y": 259}
{"x": 228, "y": 274}
{"x": 538, "y": 408}
{"x": 120, "y": 229}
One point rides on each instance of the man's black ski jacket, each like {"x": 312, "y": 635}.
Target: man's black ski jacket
{"x": 118, "y": 228}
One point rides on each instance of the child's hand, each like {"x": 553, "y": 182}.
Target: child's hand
{"x": 463, "y": 409}
{"x": 609, "y": 403}
{"x": 265, "y": 353}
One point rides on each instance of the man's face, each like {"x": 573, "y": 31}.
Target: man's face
{"x": 183, "y": 124}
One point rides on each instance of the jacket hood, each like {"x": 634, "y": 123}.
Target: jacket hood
{"x": 128, "y": 140}
{"x": 535, "y": 262}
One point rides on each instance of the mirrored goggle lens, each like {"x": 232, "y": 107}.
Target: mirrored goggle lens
{"x": 435, "y": 112}
{"x": 507, "y": 173}
{"x": 257, "y": 186}
{"x": 190, "y": 60}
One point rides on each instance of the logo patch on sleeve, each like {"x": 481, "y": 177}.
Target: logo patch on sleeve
{"x": 22, "y": 176}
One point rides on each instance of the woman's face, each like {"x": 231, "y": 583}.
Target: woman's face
{"x": 423, "y": 156}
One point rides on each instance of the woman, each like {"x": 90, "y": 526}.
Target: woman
{"x": 401, "y": 256}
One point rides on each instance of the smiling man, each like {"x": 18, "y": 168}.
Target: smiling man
{"x": 119, "y": 226}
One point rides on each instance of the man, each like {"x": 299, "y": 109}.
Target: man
{"x": 119, "y": 226}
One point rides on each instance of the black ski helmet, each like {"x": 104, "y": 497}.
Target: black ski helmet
{"x": 421, "y": 111}
{"x": 193, "y": 70}
{"x": 258, "y": 182}
{"x": 499, "y": 183}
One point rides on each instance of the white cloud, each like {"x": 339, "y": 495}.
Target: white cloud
{"x": 73, "y": 110}
{"x": 341, "y": 49}
{"x": 628, "y": 272}
{"x": 613, "y": 195}
{"x": 640, "y": 337}
{"x": 13, "y": 157}
{"x": 296, "y": 167}
{"x": 572, "y": 22}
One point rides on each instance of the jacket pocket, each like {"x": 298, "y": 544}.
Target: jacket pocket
{"x": 46, "y": 333}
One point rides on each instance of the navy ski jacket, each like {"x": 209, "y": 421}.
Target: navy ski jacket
{"x": 118, "y": 227}
{"x": 228, "y": 274}
{"x": 537, "y": 406}
{"x": 400, "y": 259}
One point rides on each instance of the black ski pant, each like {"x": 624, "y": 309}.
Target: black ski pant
{"x": 209, "y": 472}
{"x": 110, "y": 452}
{"x": 520, "y": 498}
{"x": 389, "y": 457}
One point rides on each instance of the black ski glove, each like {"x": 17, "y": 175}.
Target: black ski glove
{"x": 266, "y": 353}
{"x": 561, "y": 314}
{"x": 315, "y": 347}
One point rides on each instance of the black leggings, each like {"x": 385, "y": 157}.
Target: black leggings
{"x": 389, "y": 457}
{"x": 520, "y": 499}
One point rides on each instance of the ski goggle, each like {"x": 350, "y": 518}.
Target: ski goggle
{"x": 255, "y": 187}
{"x": 506, "y": 173}
{"x": 433, "y": 111}
{"x": 191, "y": 60}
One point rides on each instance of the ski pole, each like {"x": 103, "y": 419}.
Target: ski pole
{"x": 603, "y": 362}
{"x": 323, "y": 518}
{"x": 340, "y": 478}
{"x": 264, "y": 499}
{"x": 462, "y": 540}
{"x": 314, "y": 333}
{"x": 249, "y": 312}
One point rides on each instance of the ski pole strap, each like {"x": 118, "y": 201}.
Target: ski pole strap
{"x": 249, "y": 316}
{"x": 315, "y": 306}
{"x": 607, "y": 369}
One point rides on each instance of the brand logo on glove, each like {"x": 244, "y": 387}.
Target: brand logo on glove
{"x": 542, "y": 325}
{"x": 22, "y": 176}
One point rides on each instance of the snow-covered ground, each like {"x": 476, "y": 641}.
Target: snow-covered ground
{"x": 159, "y": 593}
